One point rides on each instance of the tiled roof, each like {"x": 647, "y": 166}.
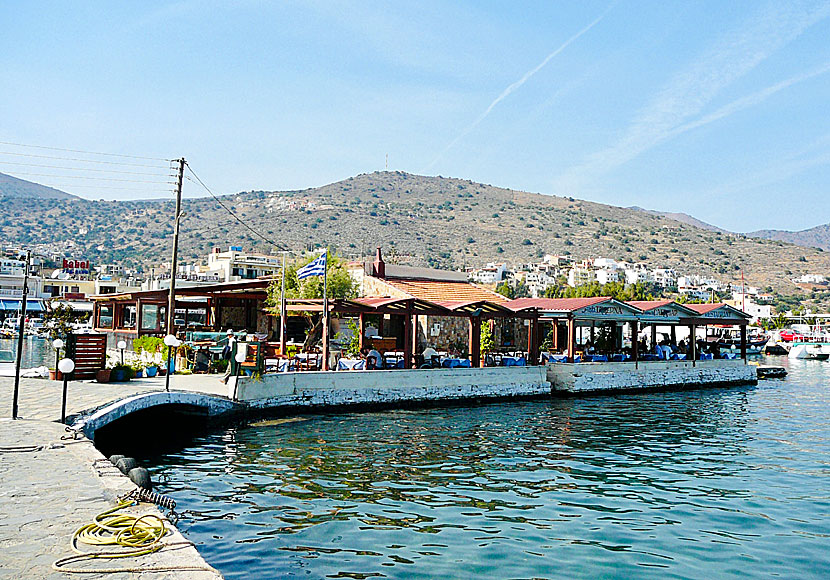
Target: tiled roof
{"x": 556, "y": 304}
{"x": 646, "y": 305}
{"x": 704, "y": 308}
{"x": 444, "y": 290}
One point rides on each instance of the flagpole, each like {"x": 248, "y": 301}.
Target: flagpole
{"x": 282, "y": 309}
{"x": 326, "y": 311}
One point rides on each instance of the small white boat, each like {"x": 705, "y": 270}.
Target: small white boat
{"x": 808, "y": 352}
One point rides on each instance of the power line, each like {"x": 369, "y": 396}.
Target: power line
{"x": 230, "y": 211}
{"x": 18, "y": 154}
{"x": 84, "y": 152}
{"x": 84, "y": 168}
{"x": 95, "y": 178}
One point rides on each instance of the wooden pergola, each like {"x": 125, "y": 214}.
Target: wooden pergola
{"x": 410, "y": 308}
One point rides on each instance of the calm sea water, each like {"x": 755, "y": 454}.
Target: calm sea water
{"x": 36, "y": 351}
{"x": 699, "y": 484}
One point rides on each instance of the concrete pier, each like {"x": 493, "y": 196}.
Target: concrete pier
{"x": 50, "y": 487}
{"x": 652, "y": 375}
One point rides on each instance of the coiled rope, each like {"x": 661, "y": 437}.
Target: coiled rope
{"x": 137, "y": 535}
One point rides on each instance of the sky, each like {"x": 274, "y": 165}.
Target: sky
{"x": 716, "y": 109}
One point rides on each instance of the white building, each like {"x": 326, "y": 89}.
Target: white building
{"x": 581, "y": 275}
{"x": 492, "y": 273}
{"x": 664, "y": 277}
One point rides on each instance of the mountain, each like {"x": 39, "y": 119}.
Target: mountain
{"x": 14, "y": 187}
{"x": 817, "y": 237}
{"x": 683, "y": 218}
{"x": 419, "y": 220}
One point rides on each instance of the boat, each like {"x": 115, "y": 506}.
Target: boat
{"x": 809, "y": 352}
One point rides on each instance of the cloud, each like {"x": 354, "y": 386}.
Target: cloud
{"x": 516, "y": 86}
{"x": 671, "y": 111}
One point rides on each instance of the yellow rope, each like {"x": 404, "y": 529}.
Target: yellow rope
{"x": 138, "y": 535}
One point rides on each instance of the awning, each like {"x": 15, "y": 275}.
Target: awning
{"x": 14, "y": 305}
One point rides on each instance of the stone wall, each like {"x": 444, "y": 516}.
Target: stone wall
{"x": 588, "y": 377}
{"x": 333, "y": 388}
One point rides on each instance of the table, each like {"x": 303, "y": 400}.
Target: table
{"x": 513, "y": 361}
{"x": 351, "y": 364}
{"x": 596, "y": 358}
{"x": 558, "y": 358}
{"x": 678, "y": 356}
{"x": 280, "y": 365}
{"x": 452, "y": 363}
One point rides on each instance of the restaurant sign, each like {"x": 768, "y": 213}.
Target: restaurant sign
{"x": 721, "y": 314}
{"x": 612, "y": 311}
{"x": 73, "y": 266}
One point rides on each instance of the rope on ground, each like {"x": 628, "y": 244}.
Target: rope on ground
{"x": 136, "y": 535}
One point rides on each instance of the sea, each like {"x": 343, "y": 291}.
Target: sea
{"x": 710, "y": 483}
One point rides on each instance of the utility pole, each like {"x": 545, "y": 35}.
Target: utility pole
{"x": 171, "y": 300}
{"x": 21, "y": 329}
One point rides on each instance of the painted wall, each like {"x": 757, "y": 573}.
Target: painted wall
{"x": 311, "y": 389}
{"x": 586, "y": 377}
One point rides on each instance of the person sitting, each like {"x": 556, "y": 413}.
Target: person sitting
{"x": 374, "y": 360}
{"x": 430, "y": 358}
{"x": 589, "y": 348}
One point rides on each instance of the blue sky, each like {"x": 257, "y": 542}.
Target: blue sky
{"x": 717, "y": 109}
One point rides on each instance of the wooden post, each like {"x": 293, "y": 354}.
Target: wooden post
{"x": 138, "y": 307}
{"x": 555, "y": 328}
{"x": 693, "y": 342}
{"x": 475, "y": 341}
{"x": 653, "y": 336}
{"x": 673, "y": 335}
{"x": 361, "y": 325}
{"x": 743, "y": 342}
{"x": 635, "y": 345}
{"x": 407, "y": 340}
{"x": 571, "y": 339}
{"x": 414, "y": 341}
{"x": 533, "y": 341}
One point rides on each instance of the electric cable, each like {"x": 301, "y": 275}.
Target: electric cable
{"x": 95, "y": 178}
{"x": 230, "y": 211}
{"x": 85, "y": 169}
{"x": 82, "y": 151}
{"x": 98, "y": 161}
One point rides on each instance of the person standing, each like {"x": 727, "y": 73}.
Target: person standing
{"x": 227, "y": 354}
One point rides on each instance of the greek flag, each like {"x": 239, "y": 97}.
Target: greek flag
{"x": 315, "y": 268}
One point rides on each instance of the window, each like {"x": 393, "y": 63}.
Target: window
{"x": 150, "y": 316}
{"x": 105, "y": 316}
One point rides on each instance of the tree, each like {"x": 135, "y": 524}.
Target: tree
{"x": 340, "y": 285}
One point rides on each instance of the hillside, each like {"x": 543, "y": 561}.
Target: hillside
{"x": 14, "y": 187}
{"x": 684, "y": 218}
{"x": 817, "y": 237}
{"x": 419, "y": 220}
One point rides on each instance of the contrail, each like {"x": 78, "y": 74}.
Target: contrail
{"x": 515, "y": 86}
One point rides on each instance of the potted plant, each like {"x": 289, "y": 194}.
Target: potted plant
{"x": 137, "y": 369}
{"x": 151, "y": 371}
{"x": 103, "y": 375}
{"x": 55, "y": 375}
{"x": 120, "y": 373}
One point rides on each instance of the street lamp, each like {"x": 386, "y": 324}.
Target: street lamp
{"x": 58, "y": 344}
{"x": 122, "y": 344}
{"x": 65, "y": 366}
{"x": 171, "y": 342}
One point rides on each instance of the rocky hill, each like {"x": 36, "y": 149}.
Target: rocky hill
{"x": 20, "y": 188}
{"x": 419, "y": 220}
{"x": 817, "y": 237}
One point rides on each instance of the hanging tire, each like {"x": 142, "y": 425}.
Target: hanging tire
{"x": 126, "y": 464}
{"x": 116, "y": 458}
{"x": 141, "y": 477}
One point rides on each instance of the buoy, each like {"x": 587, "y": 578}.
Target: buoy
{"x": 141, "y": 477}
{"x": 114, "y": 458}
{"x": 125, "y": 464}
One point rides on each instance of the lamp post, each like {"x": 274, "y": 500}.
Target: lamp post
{"x": 58, "y": 345}
{"x": 65, "y": 366}
{"x": 171, "y": 342}
{"x": 122, "y": 344}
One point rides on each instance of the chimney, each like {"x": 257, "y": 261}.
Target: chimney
{"x": 379, "y": 266}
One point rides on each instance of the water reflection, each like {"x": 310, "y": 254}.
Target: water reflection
{"x": 695, "y": 484}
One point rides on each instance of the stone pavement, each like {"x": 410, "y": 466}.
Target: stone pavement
{"x": 50, "y": 487}
{"x": 41, "y": 398}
